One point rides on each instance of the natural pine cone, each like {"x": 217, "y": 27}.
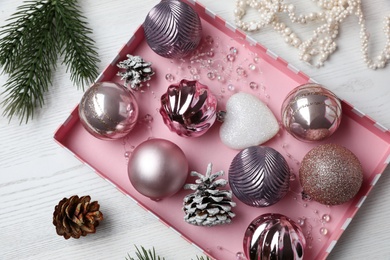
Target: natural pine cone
{"x": 75, "y": 217}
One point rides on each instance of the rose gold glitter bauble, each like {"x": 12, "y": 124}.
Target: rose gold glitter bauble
{"x": 330, "y": 174}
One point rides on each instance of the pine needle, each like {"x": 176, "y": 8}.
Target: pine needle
{"x": 143, "y": 254}
{"x": 29, "y": 47}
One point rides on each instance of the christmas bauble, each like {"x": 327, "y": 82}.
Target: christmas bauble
{"x": 188, "y": 108}
{"x": 247, "y": 121}
{"x": 172, "y": 29}
{"x": 108, "y": 110}
{"x": 311, "y": 113}
{"x": 259, "y": 176}
{"x": 157, "y": 168}
{"x": 330, "y": 174}
{"x": 274, "y": 236}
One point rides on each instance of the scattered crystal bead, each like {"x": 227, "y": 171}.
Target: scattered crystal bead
{"x": 230, "y": 57}
{"x": 252, "y": 66}
{"x": 301, "y": 221}
{"x": 220, "y": 78}
{"x": 209, "y": 39}
{"x": 240, "y": 71}
{"x": 233, "y": 50}
{"x": 210, "y": 53}
{"x": 240, "y": 256}
{"x": 194, "y": 71}
{"x": 231, "y": 87}
{"x": 169, "y": 77}
{"x": 211, "y": 75}
{"x": 323, "y": 231}
{"x": 148, "y": 118}
{"x": 253, "y": 85}
{"x": 326, "y": 217}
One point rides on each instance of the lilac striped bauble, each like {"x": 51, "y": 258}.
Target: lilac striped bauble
{"x": 259, "y": 176}
{"x": 173, "y": 29}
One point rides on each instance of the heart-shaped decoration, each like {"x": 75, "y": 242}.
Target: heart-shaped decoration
{"x": 247, "y": 122}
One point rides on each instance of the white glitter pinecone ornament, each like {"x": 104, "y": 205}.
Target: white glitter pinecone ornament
{"x": 137, "y": 71}
{"x": 208, "y": 206}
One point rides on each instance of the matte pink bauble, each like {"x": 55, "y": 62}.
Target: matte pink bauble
{"x": 108, "y": 110}
{"x": 158, "y": 168}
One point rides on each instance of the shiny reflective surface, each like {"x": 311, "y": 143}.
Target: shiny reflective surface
{"x": 108, "y": 110}
{"x": 173, "y": 29}
{"x": 311, "y": 112}
{"x": 259, "y": 176}
{"x": 274, "y": 237}
{"x": 188, "y": 108}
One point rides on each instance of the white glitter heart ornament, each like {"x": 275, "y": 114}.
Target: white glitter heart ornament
{"x": 247, "y": 122}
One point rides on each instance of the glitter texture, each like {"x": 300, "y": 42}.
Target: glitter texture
{"x": 331, "y": 174}
{"x": 247, "y": 122}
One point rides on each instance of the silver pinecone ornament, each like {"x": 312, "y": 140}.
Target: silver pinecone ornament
{"x": 208, "y": 206}
{"x": 137, "y": 71}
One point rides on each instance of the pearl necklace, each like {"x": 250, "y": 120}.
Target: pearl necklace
{"x": 317, "y": 49}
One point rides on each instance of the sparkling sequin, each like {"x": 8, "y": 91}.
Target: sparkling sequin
{"x": 331, "y": 174}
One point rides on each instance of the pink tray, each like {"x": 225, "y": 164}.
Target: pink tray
{"x": 275, "y": 79}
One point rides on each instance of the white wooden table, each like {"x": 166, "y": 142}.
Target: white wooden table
{"x": 35, "y": 172}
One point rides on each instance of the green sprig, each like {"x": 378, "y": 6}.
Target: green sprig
{"x": 143, "y": 254}
{"x": 37, "y": 33}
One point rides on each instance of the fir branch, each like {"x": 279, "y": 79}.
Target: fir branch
{"x": 143, "y": 254}
{"x": 76, "y": 46}
{"x": 30, "y": 61}
{"x": 29, "y": 47}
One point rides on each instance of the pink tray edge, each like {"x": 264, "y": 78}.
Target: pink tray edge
{"x": 375, "y": 127}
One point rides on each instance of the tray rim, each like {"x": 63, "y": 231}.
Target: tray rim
{"x": 226, "y": 27}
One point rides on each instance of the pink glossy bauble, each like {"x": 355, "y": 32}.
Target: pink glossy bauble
{"x": 274, "y": 236}
{"x": 188, "y": 108}
{"x": 108, "y": 110}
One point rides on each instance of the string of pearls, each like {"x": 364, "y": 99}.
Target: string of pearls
{"x": 317, "y": 49}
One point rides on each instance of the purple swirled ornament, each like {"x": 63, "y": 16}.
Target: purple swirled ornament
{"x": 172, "y": 29}
{"x": 188, "y": 108}
{"x": 274, "y": 236}
{"x": 259, "y": 176}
